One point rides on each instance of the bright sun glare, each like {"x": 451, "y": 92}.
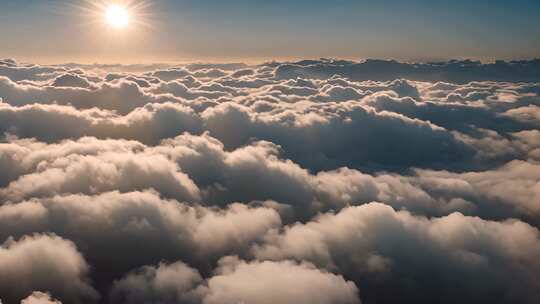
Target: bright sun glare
{"x": 117, "y": 16}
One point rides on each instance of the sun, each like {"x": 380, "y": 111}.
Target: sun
{"x": 117, "y": 16}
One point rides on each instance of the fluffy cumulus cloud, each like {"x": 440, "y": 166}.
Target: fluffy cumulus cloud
{"x": 271, "y": 282}
{"x": 166, "y": 283}
{"x": 38, "y": 297}
{"x": 115, "y": 224}
{"x": 394, "y": 254}
{"x": 44, "y": 262}
{"x": 229, "y": 183}
{"x": 235, "y": 281}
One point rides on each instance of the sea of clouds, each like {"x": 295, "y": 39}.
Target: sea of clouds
{"x": 321, "y": 181}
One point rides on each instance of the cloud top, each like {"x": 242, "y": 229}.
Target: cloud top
{"x": 318, "y": 181}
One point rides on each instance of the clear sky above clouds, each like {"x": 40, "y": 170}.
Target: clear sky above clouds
{"x": 173, "y": 30}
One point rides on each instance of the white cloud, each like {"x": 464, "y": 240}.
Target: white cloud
{"x": 235, "y": 281}
{"x": 450, "y": 258}
{"x": 44, "y": 262}
{"x": 38, "y": 297}
{"x": 277, "y": 164}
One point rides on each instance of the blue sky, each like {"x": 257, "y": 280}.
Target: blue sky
{"x": 59, "y": 31}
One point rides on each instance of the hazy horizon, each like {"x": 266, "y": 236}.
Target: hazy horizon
{"x": 256, "y": 62}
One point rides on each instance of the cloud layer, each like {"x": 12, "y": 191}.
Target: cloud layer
{"x": 321, "y": 181}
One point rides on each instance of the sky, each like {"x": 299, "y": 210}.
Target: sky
{"x": 60, "y": 30}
